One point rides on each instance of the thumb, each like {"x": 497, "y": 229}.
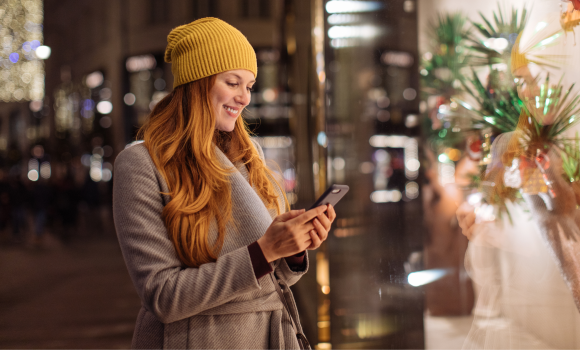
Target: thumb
{"x": 289, "y": 215}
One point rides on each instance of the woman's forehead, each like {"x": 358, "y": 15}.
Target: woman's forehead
{"x": 241, "y": 74}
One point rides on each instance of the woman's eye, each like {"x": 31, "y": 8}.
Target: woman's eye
{"x": 233, "y": 84}
{"x": 250, "y": 89}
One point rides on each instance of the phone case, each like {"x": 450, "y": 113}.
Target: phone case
{"x": 330, "y": 196}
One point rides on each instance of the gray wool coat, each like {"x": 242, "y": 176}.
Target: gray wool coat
{"x": 219, "y": 305}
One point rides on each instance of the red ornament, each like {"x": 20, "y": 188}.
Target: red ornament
{"x": 474, "y": 148}
{"x": 543, "y": 161}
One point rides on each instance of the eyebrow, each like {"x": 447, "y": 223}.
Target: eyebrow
{"x": 237, "y": 76}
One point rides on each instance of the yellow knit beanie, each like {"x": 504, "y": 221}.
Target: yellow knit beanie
{"x": 206, "y": 47}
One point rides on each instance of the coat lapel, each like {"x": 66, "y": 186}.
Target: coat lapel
{"x": 250, "y": 216}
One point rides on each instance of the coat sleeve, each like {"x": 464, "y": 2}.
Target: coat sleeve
{"x": 167, "y": 288}
{"x": 289, "y": 275}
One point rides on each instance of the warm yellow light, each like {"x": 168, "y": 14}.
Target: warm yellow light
{"x": 453, "y": 154}
{"x": 21, "y": 70}
{"x": 325, "y": 289}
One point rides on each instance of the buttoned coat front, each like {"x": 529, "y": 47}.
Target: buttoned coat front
{"x": 220, "y": 305}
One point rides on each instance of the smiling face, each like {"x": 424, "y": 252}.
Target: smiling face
{"x": 229, "y": 95}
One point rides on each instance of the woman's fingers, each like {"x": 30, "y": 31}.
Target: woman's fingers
{"x": 306, "y": 227}
{"x": 469, "y": 221}
{"x": 307, "y": 244}
{"x": 316, "y": 241}
{"x": 320, "y": 229}
{"x": 325, "y": 221}
{"x": 331, "y": 213}
{"x": 294, "y": 231}
{"x": 469, "y": 232}
{"x": 467, "y": 225}
{"x": 289, "y": 215}
{"x": 466, "y": 219}
{"x": 463, "y": 210}
{"x": 309, "y": 215}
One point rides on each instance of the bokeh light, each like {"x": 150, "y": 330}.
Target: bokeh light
{"x": 43, "y": 52}
{"x": 14, "y": 57}
{"x": 21, "y": 70}
{"x": 104, "y": 107}
{"x": 45, "y": 170}
{"x": 33, "y": 175}
{"x": 35, "y": 106}
{"x": 106, "y": 122}
{"x": 94, "y": 79}
{"x": 129, "y": 99}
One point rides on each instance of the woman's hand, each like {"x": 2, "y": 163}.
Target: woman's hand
{"x": 295, "y": 231}
{"x": 466, "y": 219}
{"x": 322, "y": 225}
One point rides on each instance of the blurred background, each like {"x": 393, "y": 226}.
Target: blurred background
{"x": 350, "y": 92}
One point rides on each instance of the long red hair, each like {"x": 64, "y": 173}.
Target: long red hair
{"x": 180, "y": 136}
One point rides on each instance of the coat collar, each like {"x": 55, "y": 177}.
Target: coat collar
{"x": 239, "y": 176}
{"x": 250, "y": 216}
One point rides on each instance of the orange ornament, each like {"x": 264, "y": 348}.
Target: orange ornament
{"x": 570, "y": 19}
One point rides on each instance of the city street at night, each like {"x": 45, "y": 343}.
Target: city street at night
{"x": 66, "y": 296}
{"x": 289, "y": 174}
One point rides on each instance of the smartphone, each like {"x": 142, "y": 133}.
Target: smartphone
{"x": 331, "y": 196}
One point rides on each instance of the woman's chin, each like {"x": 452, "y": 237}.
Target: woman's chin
{"x": 226, "y": 128}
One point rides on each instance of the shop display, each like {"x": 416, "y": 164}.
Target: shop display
{"x": 493, "y": 91}
{"x": 515, "y": 114}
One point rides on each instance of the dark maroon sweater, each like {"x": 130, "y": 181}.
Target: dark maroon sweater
{"x": 261, "y": 265}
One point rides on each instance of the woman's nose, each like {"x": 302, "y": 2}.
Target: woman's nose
{"x": 244, "y": 97}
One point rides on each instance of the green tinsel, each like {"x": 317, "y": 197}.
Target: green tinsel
{"x": 553, "y": 109}
{"x": 498, "y": 107}
{"x": 571, "y": 159}
{"x": 507, "y": 28}
{"x": 447, "y": 54}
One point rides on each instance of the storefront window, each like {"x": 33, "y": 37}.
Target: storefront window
{"x": 373, "y": 146}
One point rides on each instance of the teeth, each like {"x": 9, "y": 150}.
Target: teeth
{"x": 231, "y": 109}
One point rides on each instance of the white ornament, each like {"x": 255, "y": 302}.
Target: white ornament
{"x": 512, "y": 176}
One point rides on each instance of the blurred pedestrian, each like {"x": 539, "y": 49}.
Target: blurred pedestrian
{"x": 67, "y": 199}
{"x": 4, "y": 202}
{"x": 91, "y": 204}
{"x": 18, "y": 198}
{"x": 41, "y": 202}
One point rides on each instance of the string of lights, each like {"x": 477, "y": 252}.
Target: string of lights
{"x": 21, "y": 51}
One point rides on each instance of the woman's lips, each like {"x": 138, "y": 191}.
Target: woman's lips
{"x": 232, "y": 112}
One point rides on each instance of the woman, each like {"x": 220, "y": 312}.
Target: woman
{"x": 201, "y": 220}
